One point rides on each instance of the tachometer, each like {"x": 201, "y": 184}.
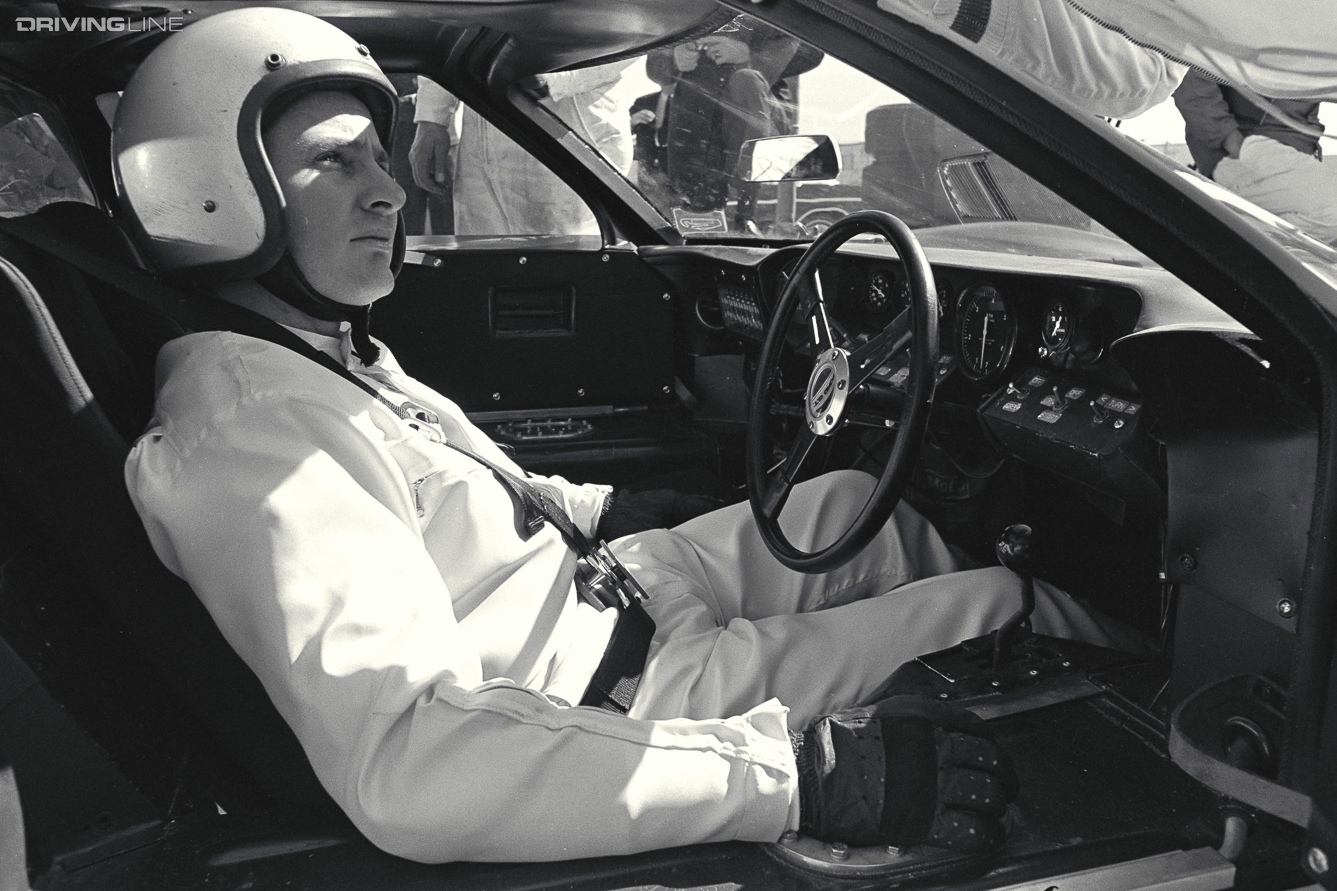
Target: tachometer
{"x": 881, "y": 289}
{"x": 986, "y": 331}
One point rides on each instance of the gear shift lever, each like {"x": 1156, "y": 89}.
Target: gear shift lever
{"x": 1014, "y": 552}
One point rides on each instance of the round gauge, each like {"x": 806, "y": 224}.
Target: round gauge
{"x": 904, "y": 297}
{"x": 986, "y": 331}
{"x": 881, "y": 288}
{"x": 1056, "y": 329}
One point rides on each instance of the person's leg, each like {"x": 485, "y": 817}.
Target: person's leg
{"x": 721, "y": 559}
{"x": 1299, "y": 188}
{"x": 819, "y": 662}
{"x": 735, "y": 628}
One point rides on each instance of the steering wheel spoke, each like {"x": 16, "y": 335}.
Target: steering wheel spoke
{"x": 879, "y": 348}
{"x": 819, "y": 322}
{"x": 781, "y": 478}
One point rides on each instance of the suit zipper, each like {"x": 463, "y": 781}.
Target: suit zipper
{"x": 417, "y": 496}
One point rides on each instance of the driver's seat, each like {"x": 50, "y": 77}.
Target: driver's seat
{"x": 76, "y": 362}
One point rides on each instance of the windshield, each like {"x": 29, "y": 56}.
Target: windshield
{"x": 692, "y": 114}
{"x": 693, "y": 108}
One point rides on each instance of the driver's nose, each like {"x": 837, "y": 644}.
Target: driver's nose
{"x": 382, "y": 194}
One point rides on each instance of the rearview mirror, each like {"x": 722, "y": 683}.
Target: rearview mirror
{"x": 779, "y": 159}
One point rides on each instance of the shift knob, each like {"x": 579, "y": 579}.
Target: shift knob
{"x": 1014, "y": 549}
{"x": 1014, "y": 552}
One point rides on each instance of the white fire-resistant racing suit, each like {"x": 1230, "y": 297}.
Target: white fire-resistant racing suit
{"x": 427, "y": 657}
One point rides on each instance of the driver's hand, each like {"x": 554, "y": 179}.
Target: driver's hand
{"x": 429, "y": 156}
{"x": 905, "y": 771}
{"x": 652, "y": 509}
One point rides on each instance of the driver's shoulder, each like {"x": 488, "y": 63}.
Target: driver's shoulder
{"x": 205, "y": 377}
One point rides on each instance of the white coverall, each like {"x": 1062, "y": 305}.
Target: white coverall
{"x": 499, "y": 187}
{"x": 426, "y": 657}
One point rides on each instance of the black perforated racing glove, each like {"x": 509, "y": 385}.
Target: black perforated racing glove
{"x": 905, "y": 771}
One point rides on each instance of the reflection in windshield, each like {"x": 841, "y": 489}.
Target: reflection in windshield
{"x": 693, "y": 105}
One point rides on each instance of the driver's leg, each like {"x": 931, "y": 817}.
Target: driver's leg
{"x": 735, "y": 628}
{"x": 822, "y": 661}
{"x": 720, "y": 557}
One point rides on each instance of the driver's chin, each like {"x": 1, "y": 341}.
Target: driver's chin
{"x": 352, "y": 287}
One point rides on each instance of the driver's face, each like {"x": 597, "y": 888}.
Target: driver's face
{"x": 341, "y": 202}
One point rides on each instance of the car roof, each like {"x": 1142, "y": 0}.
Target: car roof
{"x": 533, "y": 35}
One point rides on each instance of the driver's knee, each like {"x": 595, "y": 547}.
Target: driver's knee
{"x": 828, "y": 502}
{"x": 821, "y": 509}
{"x": 850, "y": 485}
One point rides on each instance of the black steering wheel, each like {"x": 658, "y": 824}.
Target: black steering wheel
{"x": 838, "y": 374}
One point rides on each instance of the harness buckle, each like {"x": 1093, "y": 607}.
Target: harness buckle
{"x": 602, "y": 581}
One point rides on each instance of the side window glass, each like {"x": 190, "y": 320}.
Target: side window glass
{"x": 466, "y": 180}
{"x": 38, "y": 162}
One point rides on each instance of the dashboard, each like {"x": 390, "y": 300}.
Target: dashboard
{"x": 1028, "y": 352}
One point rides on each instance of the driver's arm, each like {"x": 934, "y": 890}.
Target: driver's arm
{"x": 279, "y": 493}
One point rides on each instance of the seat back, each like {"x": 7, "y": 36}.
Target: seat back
{"x": 75, "y": 387}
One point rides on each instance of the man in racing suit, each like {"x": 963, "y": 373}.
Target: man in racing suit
{"x": 427, "y": 653}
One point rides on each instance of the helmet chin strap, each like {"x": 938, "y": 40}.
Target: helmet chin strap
{"x": 287, "y": 282}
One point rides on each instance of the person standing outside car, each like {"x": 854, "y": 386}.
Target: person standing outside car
{"x": 724, "y": 89}
{"x": 1267, "y": 154}
{"x": 434, "y": 638}
{"x": 499, "y": 188}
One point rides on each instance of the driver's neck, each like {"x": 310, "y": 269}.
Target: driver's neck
{"x": 254, "y": 297}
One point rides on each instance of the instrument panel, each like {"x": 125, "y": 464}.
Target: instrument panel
{"x": 1027, "y": 353}
{"x": 993, "y": 323}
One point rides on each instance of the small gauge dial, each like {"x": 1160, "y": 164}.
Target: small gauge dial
{"x": 881, "y": 291}
{"x": 904, "y": 298}
{"x": 986, "y": 331}
{"x": 1056, "y": 329}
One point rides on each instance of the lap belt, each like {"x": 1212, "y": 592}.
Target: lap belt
{"x": 619, "y": 673}
{"x": 601, "y": 579}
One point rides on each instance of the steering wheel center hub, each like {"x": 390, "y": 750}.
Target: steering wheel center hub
{"x": 828, "y": 391}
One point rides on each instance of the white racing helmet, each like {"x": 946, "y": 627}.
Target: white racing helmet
{"x": 187, "y": 155}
